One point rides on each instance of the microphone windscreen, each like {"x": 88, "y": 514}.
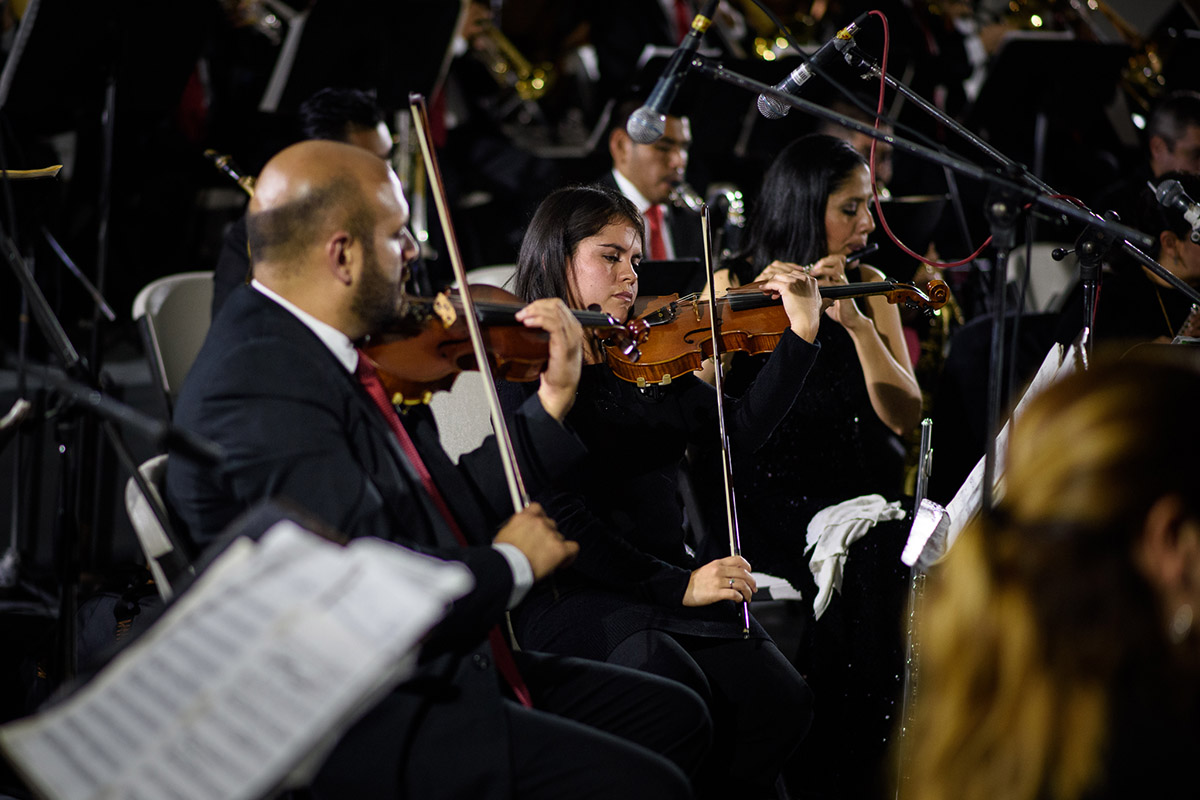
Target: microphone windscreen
{"x": 1168, "y": 192}
{"x": 645, "y": 126}
{"x": 771, "y": 108}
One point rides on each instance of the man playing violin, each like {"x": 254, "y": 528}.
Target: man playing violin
{"x": 280, "y": 385}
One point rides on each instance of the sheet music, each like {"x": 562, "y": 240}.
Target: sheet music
{"x": 968, "y": 500}
{"x": 274, "y": 649}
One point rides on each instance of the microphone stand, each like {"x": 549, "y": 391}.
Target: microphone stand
{"x": 79, "y": 389}
{"x": 856, "y": 58}
{"x": 1012, "y": 188}
{"x": 717, "y": 71}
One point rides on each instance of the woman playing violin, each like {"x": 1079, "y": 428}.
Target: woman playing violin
{"x": 637, "y": 595}
{"x": 862, "y": 395}
{"x": 841, "y": 440}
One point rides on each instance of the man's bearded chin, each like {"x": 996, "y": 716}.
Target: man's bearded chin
{"x": 378, "y": 302}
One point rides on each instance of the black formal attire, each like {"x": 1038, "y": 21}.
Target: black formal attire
{"x": 782, "y": 484}
{"x": 622, "y": 599}
{"x": 295, "y": 423}
{"x": 830, "y": 447}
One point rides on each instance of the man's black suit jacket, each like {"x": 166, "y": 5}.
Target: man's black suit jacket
{"x": 295, "y": 424}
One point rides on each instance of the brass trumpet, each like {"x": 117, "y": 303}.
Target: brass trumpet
{"x": 509, "y": 68}
{"x": 1142, "y": 79}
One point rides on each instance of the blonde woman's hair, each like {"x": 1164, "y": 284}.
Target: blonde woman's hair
{"x": 1039, "y": 609}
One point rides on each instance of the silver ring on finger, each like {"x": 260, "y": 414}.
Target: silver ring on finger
{"x": 731, "y": 583}
{"x": 808, "y": 269}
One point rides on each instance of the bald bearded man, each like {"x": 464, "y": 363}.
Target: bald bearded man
{"x": 277, "y": 384}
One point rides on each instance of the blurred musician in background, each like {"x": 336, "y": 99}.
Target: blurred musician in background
{"x": 340, "y": 115}
{"x": 648, "y": 174}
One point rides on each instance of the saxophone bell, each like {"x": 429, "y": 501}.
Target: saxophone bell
{"x": 684, "y": 196}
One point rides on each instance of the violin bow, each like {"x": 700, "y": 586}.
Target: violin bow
{"x": 735, "y": 539}
{"x": 516, "y": 485}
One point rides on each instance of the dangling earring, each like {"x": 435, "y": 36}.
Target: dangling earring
{"x": 1181, "y": 623}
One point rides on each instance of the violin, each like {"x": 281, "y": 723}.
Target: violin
{"x": 424, "y": 352}
{"x": 749, "y": 319}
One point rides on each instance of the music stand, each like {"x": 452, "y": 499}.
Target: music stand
{"x": 915, "y": 219}
{"x": 670, "y": 276}
{"x": 1036, "y": 77}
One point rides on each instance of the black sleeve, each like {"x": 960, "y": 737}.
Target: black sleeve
{"x": 603, "y": 557}
{"x": 613, "y": 562}
{"x": 546, "y": 451}
{"x": 753, "y": 417}
{"x": 287, "y": 434}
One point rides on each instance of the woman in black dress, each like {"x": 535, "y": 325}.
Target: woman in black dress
{"x": 862, "y": 397}
{"x": 637, "y": 595}
{"x": 842, "y": 439}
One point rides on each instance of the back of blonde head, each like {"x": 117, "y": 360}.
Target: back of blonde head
{"x": 1039, "y": 609}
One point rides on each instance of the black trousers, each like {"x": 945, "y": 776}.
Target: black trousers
{"x": 761, "y": 707}
{"x": 596, "y": 731}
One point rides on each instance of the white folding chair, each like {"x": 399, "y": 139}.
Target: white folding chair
{"x": 172, "y": 315}
{"x": 150, "y": 534}
{"x": 495, "y": 275}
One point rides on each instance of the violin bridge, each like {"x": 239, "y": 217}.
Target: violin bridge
{"x": 642, "y": 383}
{"x": 445, "y": 309}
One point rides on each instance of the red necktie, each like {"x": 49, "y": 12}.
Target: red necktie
{"x": 654, "y": 221}
{"x": 437, "y": 117}
{"x": 683, "y": 18}
{"x": 500, "y": 650}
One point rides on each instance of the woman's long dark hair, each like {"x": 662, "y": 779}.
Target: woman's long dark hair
{"x": 564, "y": 219}
{"x": 788, "y": 222}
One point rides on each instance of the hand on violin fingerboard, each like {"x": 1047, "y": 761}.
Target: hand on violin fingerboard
{"x": 561, "y": 376}
{"x": 800, "y": 295}
{"x": 726, "y": 578}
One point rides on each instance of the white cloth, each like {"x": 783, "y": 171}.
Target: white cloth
{"x": 831, "y": 532}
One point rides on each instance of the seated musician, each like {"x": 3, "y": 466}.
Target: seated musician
{"x": 647, "y": 174}
{"x": 840, "y": 452}
{"x": 637, "y": 595}
{"x": 281, "y": 387}
{"x": 1134, "y": 305}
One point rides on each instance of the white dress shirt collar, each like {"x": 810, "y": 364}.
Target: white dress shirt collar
{"x": 629, "y": 190}
{"x": 338, "y": 343}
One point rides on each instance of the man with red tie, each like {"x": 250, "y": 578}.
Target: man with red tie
{"x": 647, "y": 174}
{"x": 281, "y": 386}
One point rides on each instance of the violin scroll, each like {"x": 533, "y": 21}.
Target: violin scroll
{"x": 936, "y": 295}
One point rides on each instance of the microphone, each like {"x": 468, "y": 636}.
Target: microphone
{"x": 646, "y": 125}
{"x": 771, "y": 108}
{"x": 1170, "y": 194}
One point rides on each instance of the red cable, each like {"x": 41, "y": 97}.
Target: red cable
{"x": 874, "y": 183}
